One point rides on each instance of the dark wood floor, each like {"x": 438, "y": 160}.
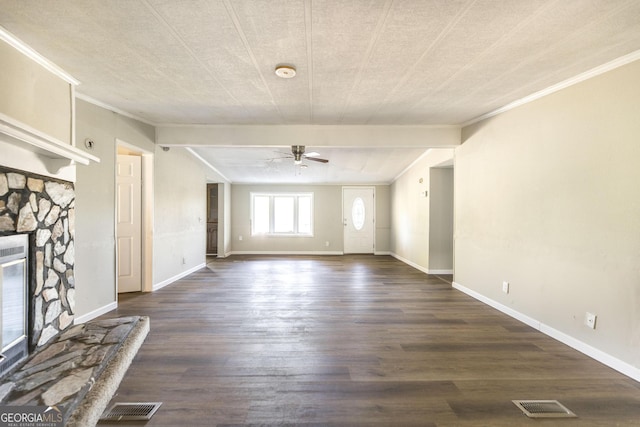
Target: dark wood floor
{"x": 353, "y": 340}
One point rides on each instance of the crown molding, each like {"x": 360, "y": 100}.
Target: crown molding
{"x": 29, "y": 52}
{"x": 111, "y": 108}
{"x": 594, "y": 72}
{"x": 207, "y": 164}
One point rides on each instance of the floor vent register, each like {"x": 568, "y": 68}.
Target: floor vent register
{"x": 543, "y": 409}
{"x": 132, "y": 411}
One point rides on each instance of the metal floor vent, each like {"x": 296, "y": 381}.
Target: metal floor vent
{"x": 543, "y": 409}
{"x": 130, "y": 411}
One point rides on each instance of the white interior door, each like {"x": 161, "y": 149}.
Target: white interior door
{"x": 129, "y": 223}
{"x": 359, "y": 219}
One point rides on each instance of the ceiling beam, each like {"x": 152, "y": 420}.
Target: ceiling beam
{"x": 391, "y": 136}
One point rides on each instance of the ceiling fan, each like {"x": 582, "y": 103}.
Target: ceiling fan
{"x": 298, "y": 155}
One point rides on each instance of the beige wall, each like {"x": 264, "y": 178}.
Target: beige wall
{"x": 179, "y": 205}
{"x": 441, "y": 220}
{"x": 180, "y": 212}
{"x": 34, "y": 96}
{"x": 225, "y": 195}
{"x": 410, "y": 210}
{"x": 383, "y": 219}
{"x": 95, "y": 202}
{"x": 548, "y": 198}
{"x": 328, "y": 225}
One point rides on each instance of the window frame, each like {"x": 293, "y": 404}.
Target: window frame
{"x": 296, "y": 213}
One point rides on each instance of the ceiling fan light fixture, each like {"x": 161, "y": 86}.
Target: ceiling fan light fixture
{"x": 285, "y": 71}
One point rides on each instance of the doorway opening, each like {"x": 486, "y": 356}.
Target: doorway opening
{"x": 212, "y": 219}
{"x": 134, "y": 199}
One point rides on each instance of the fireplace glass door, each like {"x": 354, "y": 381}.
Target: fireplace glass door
{"x": 13, "y": 306}
{"x": 13, "y": 293}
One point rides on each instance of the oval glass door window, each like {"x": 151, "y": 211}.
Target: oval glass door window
{"x": 357, "y": 213}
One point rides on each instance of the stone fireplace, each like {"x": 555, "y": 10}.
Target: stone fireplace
{"x": 43, "y": 208}
{"x": 73, "y": 369}
{"x": 38, "y": 160}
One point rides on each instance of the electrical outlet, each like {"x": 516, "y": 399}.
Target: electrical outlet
{"x": 240, "y": 238}
{"x": 326, "y": 243}
{"x": 505, "y": 287}
{"x": 590, "y": 320}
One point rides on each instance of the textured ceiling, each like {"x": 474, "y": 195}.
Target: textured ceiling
{"x": 275, "y": 165}
{"x": 374, "y": 62}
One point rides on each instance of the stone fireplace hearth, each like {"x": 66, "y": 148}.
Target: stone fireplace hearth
{"x": 43, "y": 208}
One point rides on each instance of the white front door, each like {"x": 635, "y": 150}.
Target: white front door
{"x": 129, "y": 220}
{"x": 358, "y": 211}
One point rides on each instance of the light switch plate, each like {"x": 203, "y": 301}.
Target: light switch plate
{"x": 590, "y": 320}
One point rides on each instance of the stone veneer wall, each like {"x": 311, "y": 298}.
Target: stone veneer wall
{"x": 43, "y": 208}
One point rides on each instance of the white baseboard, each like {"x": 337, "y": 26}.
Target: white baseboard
{"x": 599, "y": 355}
{"x": 411, "y": 263}
{"x": 419, "y": 267}
{"x": 440, "y": 271}
{"x": 382, "y": 253}
{"x": 185, "y": 273}
{"x": 95, "y": 313}
{"x": 286, "y": 253}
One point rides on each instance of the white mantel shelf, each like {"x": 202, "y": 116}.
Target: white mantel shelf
{"x": 23, "y": 136}
{"x": 27, "y": 149}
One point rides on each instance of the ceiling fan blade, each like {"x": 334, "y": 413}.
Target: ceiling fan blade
{"x": 315, "y": 159}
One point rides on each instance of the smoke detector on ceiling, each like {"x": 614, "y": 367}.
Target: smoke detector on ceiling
{"x": 285, "y": 71}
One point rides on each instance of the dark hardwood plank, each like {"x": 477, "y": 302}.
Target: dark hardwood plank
{"x": 351, "y": 341}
